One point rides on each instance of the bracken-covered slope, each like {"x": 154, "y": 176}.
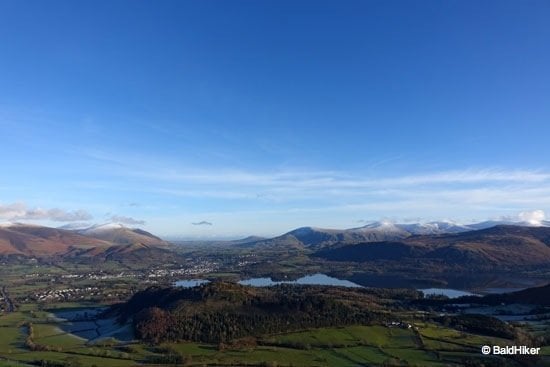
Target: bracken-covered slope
{"x": 30, "y": 240}
{"x": 114, "y": 242}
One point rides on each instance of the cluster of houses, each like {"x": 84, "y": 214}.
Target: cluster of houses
{"x": 101, "y": 276}
{"x": 398, "y": 324}
{"x": 200, "y": 268}
{"x": 67, "y": 294}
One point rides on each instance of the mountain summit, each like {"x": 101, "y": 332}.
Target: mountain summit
{"x": 120, "y": 234}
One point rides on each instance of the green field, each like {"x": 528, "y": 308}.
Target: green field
{"x": 429, "y": 345}
{"x": 50, "y": 334}
{"x": 378, "y": 336}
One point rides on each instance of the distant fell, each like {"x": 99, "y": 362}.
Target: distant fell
{"x": 107, "y": 241}
{"x": 502, "y": 245}
{"x": 119, "y": 234}
{"x": 319, "y": 238}
{"x": 38, "y": 241}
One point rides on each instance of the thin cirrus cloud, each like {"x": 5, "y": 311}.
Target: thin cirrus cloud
{"x": 485, "y": 187}
{"x": 20, "y": 211}
{"x": 342, "y": 179}
{"x": 163, "y": 172}
{"x": 471, "y": 185}
{"x": 465, "y": 193}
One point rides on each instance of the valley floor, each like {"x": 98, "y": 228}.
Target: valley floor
{"x": 38, "y": 288}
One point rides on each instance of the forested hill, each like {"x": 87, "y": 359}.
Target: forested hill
{"x": 221, "y": 312}
{"x": 536, "y": 296}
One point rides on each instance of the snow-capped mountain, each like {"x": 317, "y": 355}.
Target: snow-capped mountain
{"x": 100, "y": 228}
{"x": 441, "y": 227}
{"x": 381, "y": 231}
{"x": 435, "y": 227}
{"x": 403, "y": 230}
{"x": 120, "y": 234}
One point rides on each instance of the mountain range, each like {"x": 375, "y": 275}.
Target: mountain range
{"x": 501, "y": 245}
{"x": 38, "y": 241}
{"x": 491, "y": 243}
{"x": 318, "y": 238}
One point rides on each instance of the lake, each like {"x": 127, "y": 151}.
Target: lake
{"x": 314, "y": 279}
{"x": 190, "y": 283}
{"x": 500, "y": 290}
{"x": 323, "y": 279}
{"x": 455, "y": 293}
{"x": 451, "y": 293}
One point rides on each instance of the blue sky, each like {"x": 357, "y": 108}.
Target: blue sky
{"x": 262, "y": 116}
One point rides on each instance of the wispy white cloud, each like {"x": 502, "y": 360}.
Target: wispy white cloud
{"x": 20, "y": 211}
{"x": 126, "y": 220}
{"x": 534, "y": 217}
